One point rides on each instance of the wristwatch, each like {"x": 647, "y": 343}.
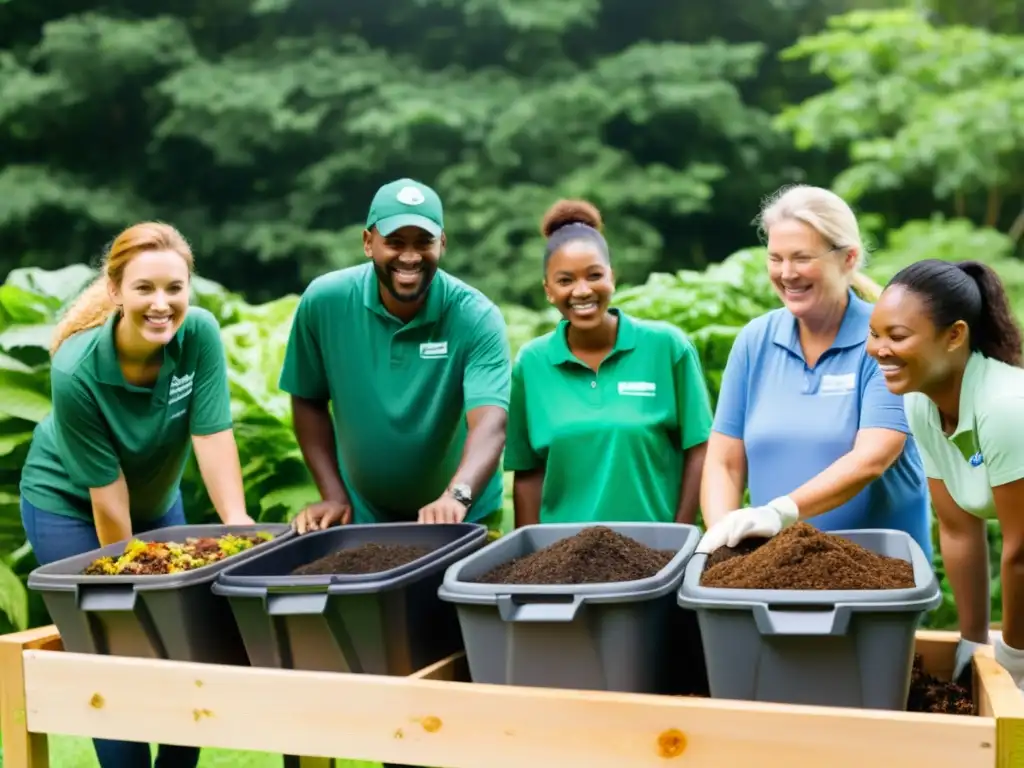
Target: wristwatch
{"x": 463, "y": 494}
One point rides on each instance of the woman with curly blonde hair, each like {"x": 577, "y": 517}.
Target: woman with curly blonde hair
{"x": 138, "y": 378}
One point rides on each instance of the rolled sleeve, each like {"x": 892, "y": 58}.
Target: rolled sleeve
{"x": 880, "y": 408}
{"x": 519, "y": 453}
{"x": 303, "y": 373}
{"x": 731, "y": 408}
{"x": 999, "y": 436}
{"x": 487, "y": 376}
{"x": 81, "y": 433}
{"x": 693, "y": 403}
{"x": 211, "y": 395}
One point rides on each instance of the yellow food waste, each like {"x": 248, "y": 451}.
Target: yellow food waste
{"x": 153, "y": 558}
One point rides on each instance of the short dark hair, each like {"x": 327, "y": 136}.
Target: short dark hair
{"x": 968, "y": 291}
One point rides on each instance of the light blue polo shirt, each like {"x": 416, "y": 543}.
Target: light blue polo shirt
{"x": 796, "y": 420}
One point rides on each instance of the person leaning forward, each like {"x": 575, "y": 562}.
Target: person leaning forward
{"x": 417, "y": 367}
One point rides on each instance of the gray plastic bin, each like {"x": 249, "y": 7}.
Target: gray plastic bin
{"x": 622, "y": 636}
{"x": 172, "y": 617}
{"x": 828, "y": 647}
{"x": 385, "y": 623}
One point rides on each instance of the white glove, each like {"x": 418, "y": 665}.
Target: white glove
{"x": 766, "y": 521}
{"x": 1010, "y": 659}
{"x": 964, "y": 652}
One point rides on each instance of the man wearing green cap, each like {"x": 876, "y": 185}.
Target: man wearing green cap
{"x": 416, "y": 365}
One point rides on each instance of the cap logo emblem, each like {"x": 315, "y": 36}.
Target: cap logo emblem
{"x": 410, "y": 196}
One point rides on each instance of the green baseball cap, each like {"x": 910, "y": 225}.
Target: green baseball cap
{"x": 406, "y": 203}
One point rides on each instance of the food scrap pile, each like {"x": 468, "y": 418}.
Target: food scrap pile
{"x": 929, "y": 694}
{"x": 802, "y": 557}
{"x": 153, "y": 558}
{"x": 597, "y": 554}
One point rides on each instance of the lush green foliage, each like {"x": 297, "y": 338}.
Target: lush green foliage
{"x": 285, "y": 115}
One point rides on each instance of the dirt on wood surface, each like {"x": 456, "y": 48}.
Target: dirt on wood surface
{"x": 932, "y": 695}
{"x": 366, "y": 558}
{"x": 802, "y": 557}
{"x": 595, "y": 555}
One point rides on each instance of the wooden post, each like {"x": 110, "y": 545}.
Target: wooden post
{"x": 22, "y": 749}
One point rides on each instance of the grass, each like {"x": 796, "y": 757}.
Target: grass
{"x": 77, "y": 752}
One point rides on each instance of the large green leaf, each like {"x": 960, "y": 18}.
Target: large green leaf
{"x": 22, "y": 396}
{"x": 13, "y": 598}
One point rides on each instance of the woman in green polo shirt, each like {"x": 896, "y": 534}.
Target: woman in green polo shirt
{"x": 946, "y": 339}
{"x": 137, "y": 378}
{"x": 609, "y": 414}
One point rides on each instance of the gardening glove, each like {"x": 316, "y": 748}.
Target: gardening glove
{"x": 1010, "y": 659}
{"x": 964, "y": 651}
{"x": 766, "y": 521}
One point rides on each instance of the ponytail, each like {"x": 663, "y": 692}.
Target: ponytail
{"x": 972, "y": 292}
{"x": 91, "y": 309}
{"x": 996, "y": 333}
{"x": 94, "y": 306}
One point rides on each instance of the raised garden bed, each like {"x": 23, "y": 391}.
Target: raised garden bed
{"x": 433, "y": 718}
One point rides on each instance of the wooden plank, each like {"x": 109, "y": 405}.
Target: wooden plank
{"x": 452, "y": 668}
{"x": 22, "y": 748}
{"x": 463, "y": 725}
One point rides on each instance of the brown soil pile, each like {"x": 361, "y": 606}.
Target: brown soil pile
{"x": 929, "y": 694}
{"x": 802, "y": 557}
{"x": 366, "y": 558}
{"x": 597, "y": 554}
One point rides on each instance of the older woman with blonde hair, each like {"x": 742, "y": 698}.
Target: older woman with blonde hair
{"x": 138, "y": 378}
{"x": 804, "y": 418}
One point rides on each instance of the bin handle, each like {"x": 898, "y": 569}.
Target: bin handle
{"x": 106, "y": 597}
{"x": 817, "y": 620}
{"x": 296, "y": 603}
{"x": 528, "y": 608}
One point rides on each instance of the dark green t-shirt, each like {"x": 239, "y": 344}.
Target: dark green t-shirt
{"x": 399, "y": 392}
{"x": 101, "y": 425}
{"x": 611, "y": 442}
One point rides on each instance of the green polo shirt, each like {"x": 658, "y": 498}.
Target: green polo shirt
{"x": 101, "y": 425}
{"x": 399, "y": 392}
{"x": 611, "y": 442}
{"x": 987, "y": 448}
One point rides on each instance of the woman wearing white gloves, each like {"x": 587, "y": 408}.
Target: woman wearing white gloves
{"x": 804, "y": 418}
{"x": 945, "y": 337}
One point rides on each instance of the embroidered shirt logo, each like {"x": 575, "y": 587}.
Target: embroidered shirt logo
{"x": 977, "y": 459}
{"x": 434, "y": 350}
{"x": 410, "y": 196}
{"x": 637, "y": 388}
{"x": 181, "y": 387}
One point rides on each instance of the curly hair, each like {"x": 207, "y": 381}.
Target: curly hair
{"x": 970, "y": 291}
{"x": 565, "y": 212}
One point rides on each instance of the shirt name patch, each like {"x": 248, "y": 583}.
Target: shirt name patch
{"x": 434, "y": 350}
{"x": 180, "y": 388}
{"x": 837, "y": 384}
{"x": 637, "y": 388}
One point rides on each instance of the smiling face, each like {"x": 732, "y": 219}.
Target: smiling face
{"x": 914, "y": 355}
{"x": 405, "y": 260}
{"x": 806, "y": 272}
{"x": 153, "y": 296}
{"x": 579, "y": 282}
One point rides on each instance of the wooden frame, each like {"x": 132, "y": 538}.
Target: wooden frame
{"x": 434, "y": 718}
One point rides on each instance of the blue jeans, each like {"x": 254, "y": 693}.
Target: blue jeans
{"x": 54, "y": 537}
